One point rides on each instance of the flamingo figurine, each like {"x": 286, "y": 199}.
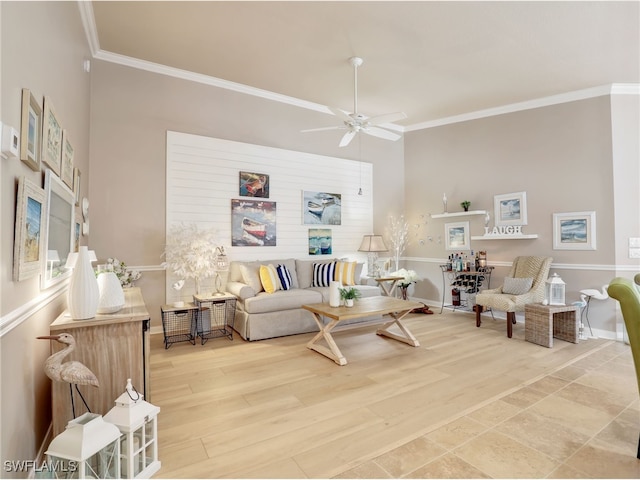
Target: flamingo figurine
{"x": 598, "y": 295}
{"x": 73, "y": 372}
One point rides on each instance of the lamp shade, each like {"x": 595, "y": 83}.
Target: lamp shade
{"x": 372, "y": 243}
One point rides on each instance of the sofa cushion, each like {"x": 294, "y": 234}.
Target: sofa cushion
{"x": 346, "y": 273}
{"x": 323, "y": 274}
{"x": 285, "y": 277}
{"x": 269, "y": 278}
{"x": 281, "y": 300}
{"x": 304, "y": 270}
{"x": 517, "y": 286}
{"x": 251, "y": 275}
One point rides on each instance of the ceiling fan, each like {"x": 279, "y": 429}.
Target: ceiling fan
{"x": 358, "y": 123}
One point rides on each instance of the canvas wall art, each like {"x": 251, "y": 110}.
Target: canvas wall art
{"x": 30, "y": 210}
{"x": 321, "y": 208}
{"x": 574, "y": 231}
{"x": 510, "y": 209}
{"x": 254, "y": 185}
{"x": 253, "y": 223}
{"x": 320, "y": 241}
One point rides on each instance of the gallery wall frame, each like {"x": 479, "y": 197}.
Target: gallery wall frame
{"x": 76, "y": 185}
{"x": 31, "y": 131}
{"x": 321, "y": 208}
{"x": 320, "y": 241}
{"x": 574, "y": 231}
{"x": 510, "y": 209}
{"x": 66, "y": 162}
{"x": 253, "y": 223}
{"x": 30, "y": 212}
{"x": 51, "y": 137}
{"x": 457, "y": 236}
{"x": 253, "y": 184}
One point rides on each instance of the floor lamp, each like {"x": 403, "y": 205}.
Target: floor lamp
{"x": 372, "y": 244}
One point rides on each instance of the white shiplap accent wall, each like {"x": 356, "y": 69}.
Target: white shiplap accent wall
{"x": 203, "y": 177}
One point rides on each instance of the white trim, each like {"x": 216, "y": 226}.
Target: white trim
{"x": 89, "y": 24}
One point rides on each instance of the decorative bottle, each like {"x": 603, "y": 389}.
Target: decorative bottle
{"x": 83, "y": 295}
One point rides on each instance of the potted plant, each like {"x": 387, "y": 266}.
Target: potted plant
{"x": 349, "y": 295}
{"x": 466, "y": 204}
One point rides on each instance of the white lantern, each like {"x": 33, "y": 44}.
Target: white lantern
{"x": 554, "y": 290}
{"x": 137, "y": 420}
{"x": 88, "y": 448}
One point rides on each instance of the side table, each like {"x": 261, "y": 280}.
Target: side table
{"x": 216, "y": 315}
{"x": 468, "y": 282}
{"x": 544, "y": 322}
{"x": 179, "y": 324}
{"x": 388, "y": 284}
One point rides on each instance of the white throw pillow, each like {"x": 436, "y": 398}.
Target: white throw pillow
{"x": 516, "y": 286}
{"x": 251, "y": 276}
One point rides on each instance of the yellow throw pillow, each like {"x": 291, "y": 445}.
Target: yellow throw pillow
{"x": 345, "y": 273}
{"x": 269, "y": 278}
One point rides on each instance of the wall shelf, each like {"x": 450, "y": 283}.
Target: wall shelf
{"x": 458, "y": 214}
{"x": 504, "y": 237}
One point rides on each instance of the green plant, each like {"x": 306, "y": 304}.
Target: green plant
{"x": 350, "y": 293}
{"x": 466, "y": 204}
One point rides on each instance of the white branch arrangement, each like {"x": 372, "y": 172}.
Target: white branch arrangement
{"x": 398, "y": 237}
{"x": 190, "y": 252}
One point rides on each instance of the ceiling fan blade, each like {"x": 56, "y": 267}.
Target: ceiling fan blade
{"x": 387, "y": 118}
{"x": 381, "y": 133}
{"x": 346, "y": 139}
{"x": 340, "y": 114}
{"x": 322, "y": 129}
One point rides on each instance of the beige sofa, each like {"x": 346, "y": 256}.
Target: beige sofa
{"x": 261, "y": 315}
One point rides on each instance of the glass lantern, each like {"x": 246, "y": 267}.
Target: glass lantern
{"x": 89, "y": 447}
{"x": 137, "y": 420}
{"x": 554, "y": 290}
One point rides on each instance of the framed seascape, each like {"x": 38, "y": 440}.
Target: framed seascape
{"x": 510, "y": 209}
{"x": 457, "y": 236}
{"x": 253, "y": 185}
{"x": 66, "y": 163}
{"x": 320, "y": 241}
{"x": 30, "y": 131}
{"x": 253, "y": 223}
{"x": 30, "y": 210}
{"x": 321, "y": 208}
{"x": 574, "y": 231}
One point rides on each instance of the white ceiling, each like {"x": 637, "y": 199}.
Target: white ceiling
{"x": 432, "y": 60}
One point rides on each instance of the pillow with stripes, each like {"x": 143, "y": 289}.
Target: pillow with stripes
{"x": 323, "y": 274}
{"x": 285, "y": 277}
{"x": 346, "y": 273}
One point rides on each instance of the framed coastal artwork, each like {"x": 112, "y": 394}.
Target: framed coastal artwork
{"x": 321, "y": 208}
{"x": 574, "y": 231}
{"x": 51, "y": 137}
{"x": 30, "y": 130}
{"x": 253, "y": 223}
{"x": 510, "y": 209}
{"x": 320, "y": 241}
{"x": 30, "y": 210}
{"x": 457, "y": 236}
{"x": 66, "y": 162}
{"x": 254, "y": 185}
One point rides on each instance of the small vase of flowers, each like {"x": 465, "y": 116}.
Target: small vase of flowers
{"x": 408, "y": 277}
{"x": 126, "y": 276}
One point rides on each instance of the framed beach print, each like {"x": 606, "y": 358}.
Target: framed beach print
{"x": 253, "y": 185}
{"x": 320, "y": 241}
{"x": 253, "y": 223}
{"x": 321, "y": 208}
{"x": 574, "y": 231}
{"x": 66, "y": 165}
{"x": 510, "y": 209}
{"x": 51, "y": 137}
{"x": 30, "y": 130}
{"x": 76, "y": 185}
{"x": 30, "y": 210}
{"x": 457, "y": 236}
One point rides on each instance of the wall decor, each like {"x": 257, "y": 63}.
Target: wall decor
{"x": 254, "y": 185}
{"x": 321, "y": 208}
{"x": 574, "y": 231}
{"x": 457, "y": 236}
{"x": 320, "y": 241}
{"x": 253, "y": 223}
{"x": 76, "y": 185}
{"x": 66, "y": 163}
{"x": 510, "y": 209}
{"x": 58, "y": 232}
{"x": 30, "y": 208}
{"x": 30, "y": 130}
{"x": 51, "y": 137}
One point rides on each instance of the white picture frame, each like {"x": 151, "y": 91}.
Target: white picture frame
{"x": 574, "y": 231}
{"x": 457, "y": 236}
{"x": 510, "y": 209}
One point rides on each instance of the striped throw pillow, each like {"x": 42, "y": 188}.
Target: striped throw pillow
{"x": 346, "y": 273}
{"x": 323, "y": 274}
{"x": 269, "y": 278}
{"x": 285, "y": 277}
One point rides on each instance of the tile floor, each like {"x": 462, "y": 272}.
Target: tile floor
{"x": 582, "y": 421}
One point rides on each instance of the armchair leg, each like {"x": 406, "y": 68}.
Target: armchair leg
{"x": 511, "y": 319}
{"x": 478, "y": 309}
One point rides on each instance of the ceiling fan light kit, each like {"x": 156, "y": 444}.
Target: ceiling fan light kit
{"x": 356, "y": 122}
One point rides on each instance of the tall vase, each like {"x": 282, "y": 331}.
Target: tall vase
{"x": 83, "y": 295}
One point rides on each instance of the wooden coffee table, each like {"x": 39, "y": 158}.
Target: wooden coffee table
{"x": 395, "y": 307}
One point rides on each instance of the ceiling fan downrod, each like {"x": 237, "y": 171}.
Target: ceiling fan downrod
{"x": 355, "y": 63}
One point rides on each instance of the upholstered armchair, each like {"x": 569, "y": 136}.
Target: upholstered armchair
{"x": 524, "y": 284}
{"x": 628, "y": 294}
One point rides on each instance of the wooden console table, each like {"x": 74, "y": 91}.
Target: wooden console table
{"x": 114, "y": 347}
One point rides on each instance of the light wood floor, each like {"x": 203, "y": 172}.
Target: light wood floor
{"x": 467, "y": 403}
